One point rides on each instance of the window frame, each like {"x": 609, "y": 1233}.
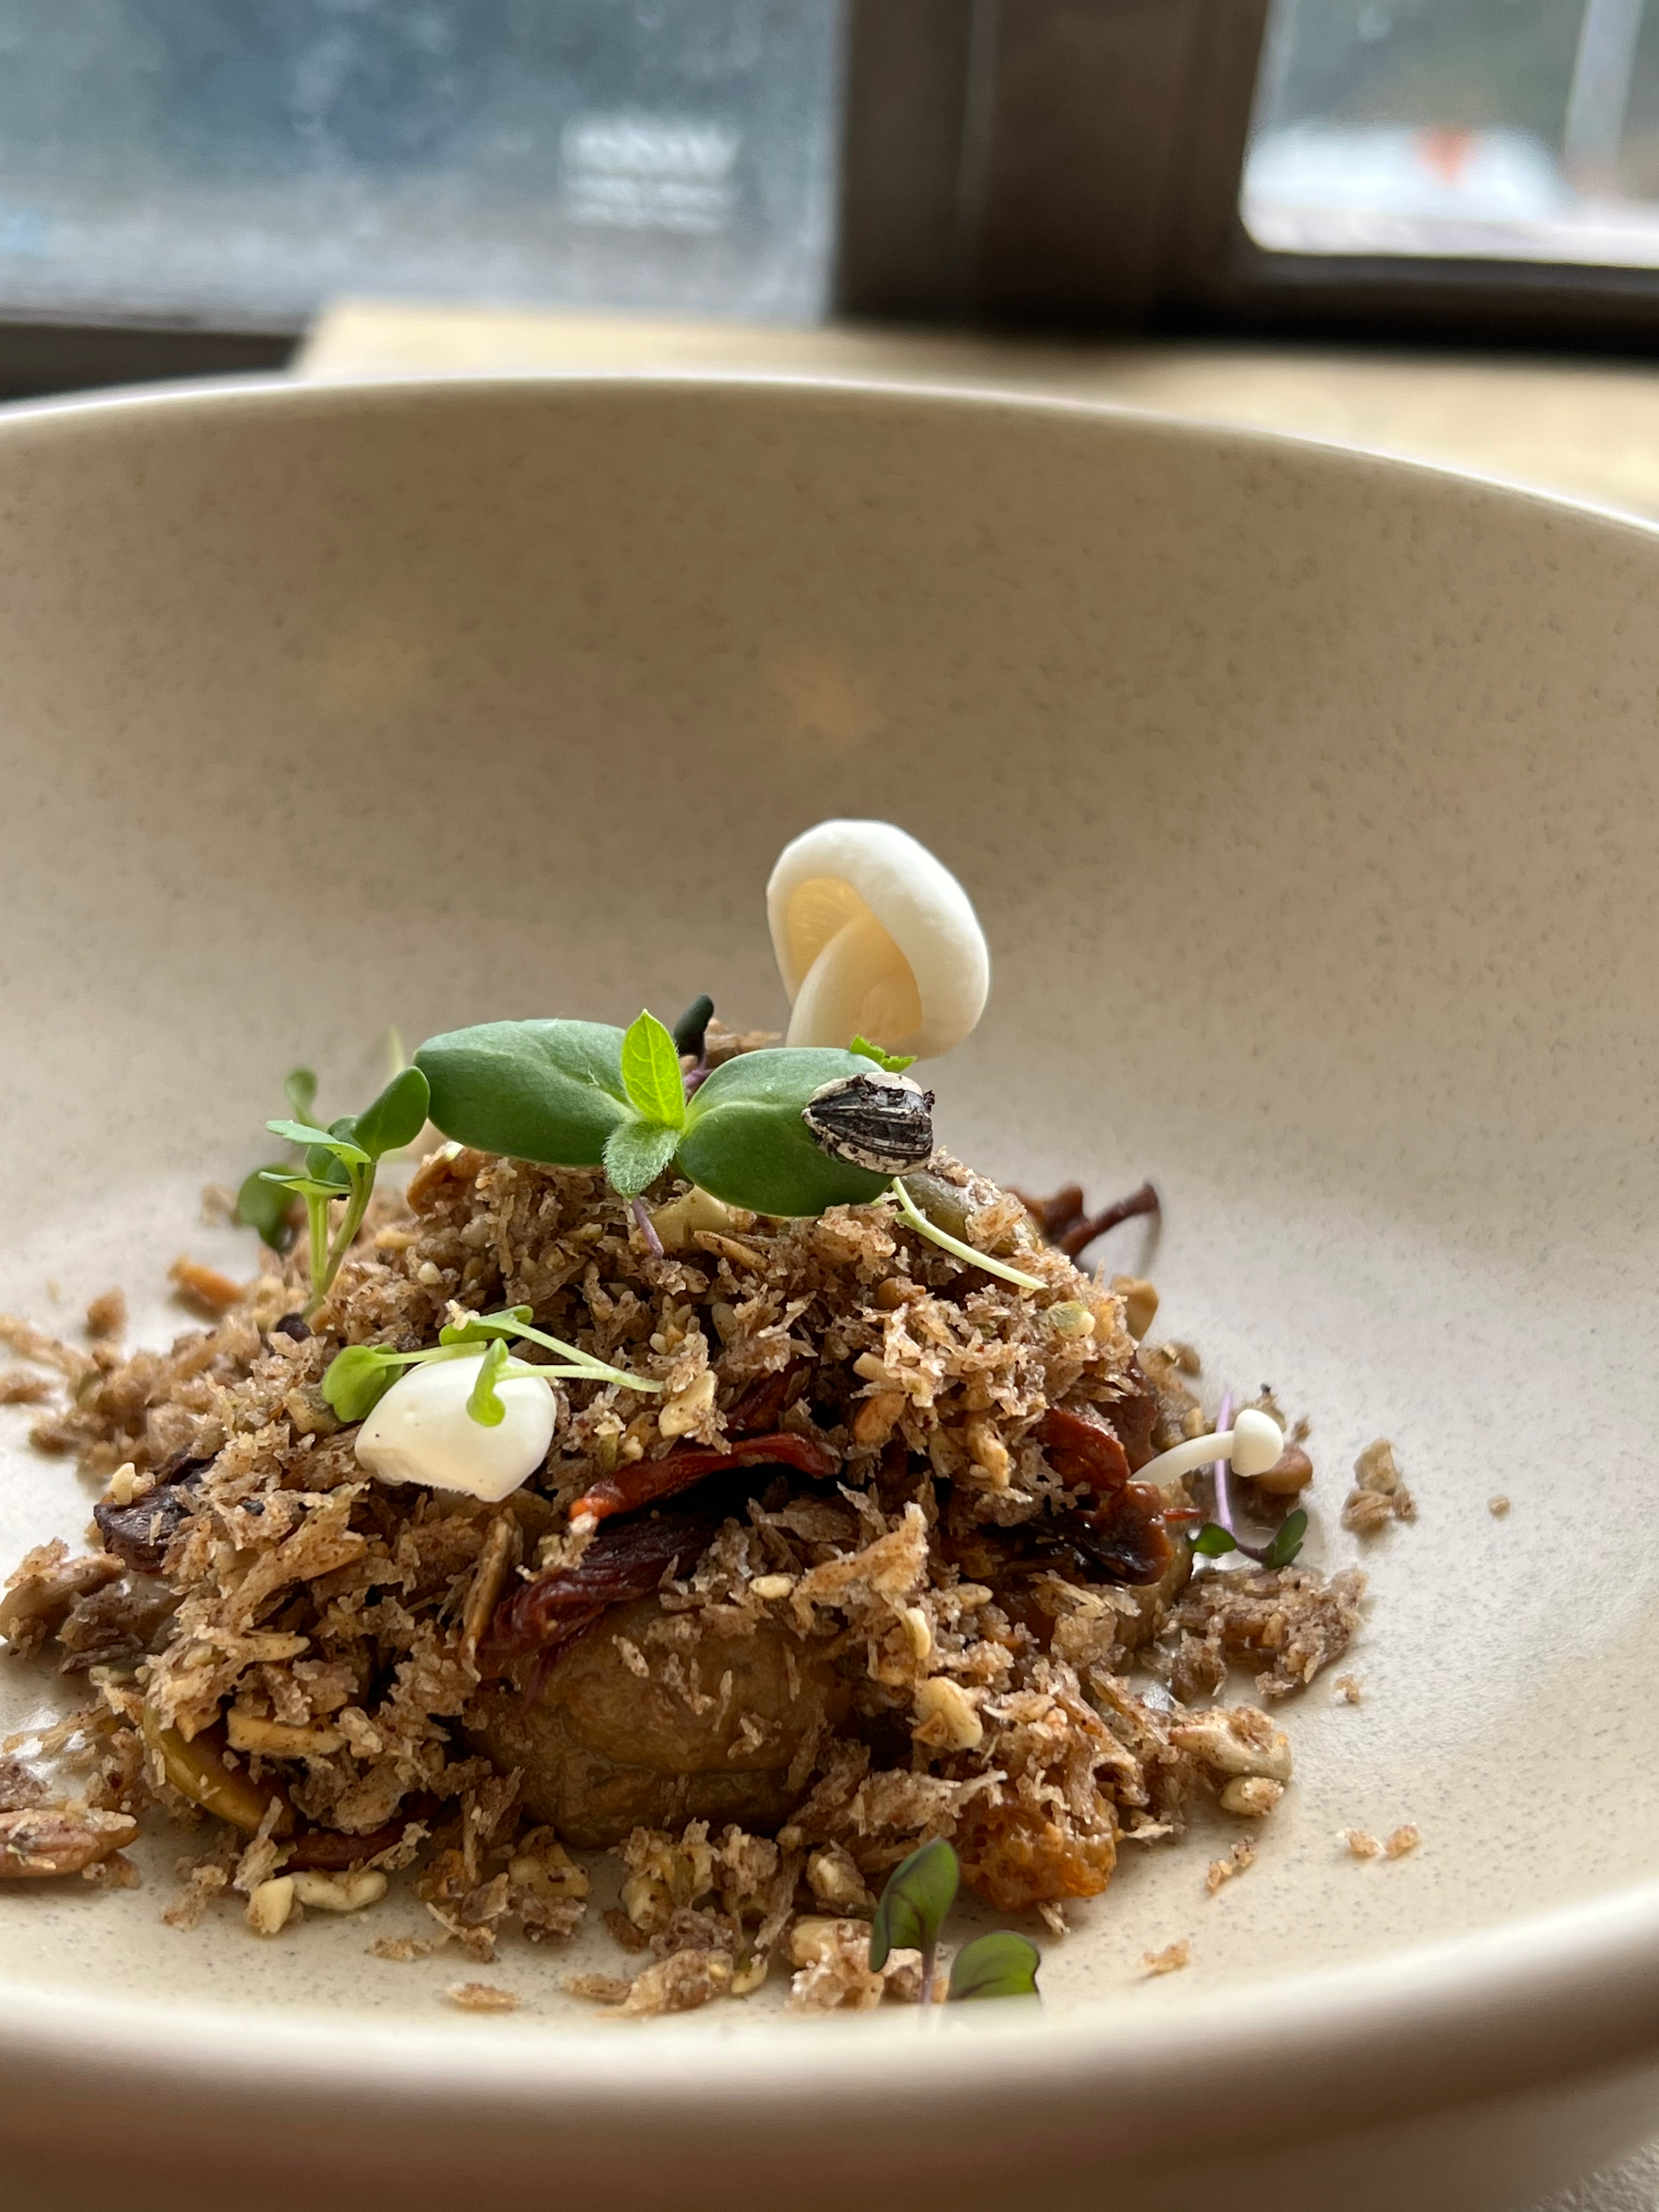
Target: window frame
{"x": 1054, "y": 165}
{"x": 1092, "y": 184}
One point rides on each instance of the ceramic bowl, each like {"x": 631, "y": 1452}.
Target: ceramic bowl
{"x": 1309, "y": 800}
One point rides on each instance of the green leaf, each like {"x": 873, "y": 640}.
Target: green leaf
{"x": 551, "y": 1092}
{"x": 691, "y": 1030}
{"x": 919, "y": 1892}
{"x": 397, "y": 1116}
{"x": 359, "y": 1377}
{"x": 1213, "y": 1542}
{"x": 1000, "y": 1964}
{"x": 301, "y": 1184}
{"x": 484, "y": 1404}
{"x": 345, "y": 1149}
{"x": 300, "y": 1089}
{"x": 1287, "y": 1543}
{"x": 745, "y": 1142}
{"x": 635, "y": 1155}
{"x": 264, "y": 1204}
{"x": 894, "y": 1062}
{"x": 651, "y": 1070}
{"x": 480, "y": 1328}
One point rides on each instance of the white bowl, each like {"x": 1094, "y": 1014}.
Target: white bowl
{"x": 1309, "y": 800}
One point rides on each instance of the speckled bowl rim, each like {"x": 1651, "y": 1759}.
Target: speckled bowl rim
{"x": 1535, "y": 2003}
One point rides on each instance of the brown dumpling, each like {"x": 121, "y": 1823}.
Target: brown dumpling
{"x": 604, "y": 1748}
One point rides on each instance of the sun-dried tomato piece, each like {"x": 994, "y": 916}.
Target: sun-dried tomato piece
{"x": 647, "y": 1481}
{"x": 546, "y": 1614}
{"x": 1082, "y": 1450}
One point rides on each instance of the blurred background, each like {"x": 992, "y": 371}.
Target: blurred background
{"x": 1429, "y": 225}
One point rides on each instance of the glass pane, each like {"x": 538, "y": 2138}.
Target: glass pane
{"x": 1519, "y": 129}
{"x": 239, "y": 162}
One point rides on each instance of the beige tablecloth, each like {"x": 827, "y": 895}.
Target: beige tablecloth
{"x": 1589, "y": 428}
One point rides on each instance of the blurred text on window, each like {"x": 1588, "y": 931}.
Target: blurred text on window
{"x": 236, "y": 162}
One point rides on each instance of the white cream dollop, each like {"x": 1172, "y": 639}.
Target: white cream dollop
{"x": 875, "y": 938}
{"x": 421, "y": 1431}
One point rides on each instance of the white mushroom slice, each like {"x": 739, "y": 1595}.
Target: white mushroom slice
{"x": 421, "y": 1431}
{"x": 875, "y": 938}
{"x": 1254, "y": 1444}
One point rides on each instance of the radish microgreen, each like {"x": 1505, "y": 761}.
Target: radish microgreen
{"x": 911, "y": 1917}
{"x": 359, "y": 1377}
{"x": 341, "y": 1162}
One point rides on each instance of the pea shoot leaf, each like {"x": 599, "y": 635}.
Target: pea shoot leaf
{"x": 651, "y": 1070}
{"x": 479, "y": 1329}
{"x": 264, "y": 1204}
{"x": 1000, "y": 1964}
{"x": 358, "y": 1378}
{"x": 894, "y": 1062}
{"x": 303, "y": 1185}
{"x": 300, "y": 1089}
{"x": 346, "y": 1150}
{"x": 636, "y": 1153}
{"x": 919, "y": 1892}
{"x": 1287, "y": 1543}
{"x": 397, "y": 1117}
{"x": 484, "y": 1404}
{"x": 1213, "y": 1542}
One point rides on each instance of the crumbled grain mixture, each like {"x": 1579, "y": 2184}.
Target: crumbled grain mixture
{"x": 1378, "y": 1495}
{"x": 1361, "y": 1843}
{"x": 1169, "y": 1960}
{"x": 480, "y": 1996}
{"x": 924, "y": 1602}
{"x": 1239, "y": 1859}
{"x": 1403, "y": 1840}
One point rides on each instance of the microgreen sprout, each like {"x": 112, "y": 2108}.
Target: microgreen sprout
{"x": 341, "y": 1162}
{"x": 918, "y": 1895}
{"x": 484, "y": 1405}
{"x": 261, "y": 1204}
{"x": 923, "y": 1227}
{"x": 1218, "y": 1537}
{"x": 360, "y": 1376}
{"x": 911, "y": 1917}
{"x": 578, "y": 1094}
{"x": 1000, "y": 1965}
{"x": 895, "y": 1063}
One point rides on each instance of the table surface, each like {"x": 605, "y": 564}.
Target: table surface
{"x": 1589, "y": 428}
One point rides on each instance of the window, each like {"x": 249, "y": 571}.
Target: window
{"x": 236, "y": 162}
{"x": 184, "y": 182}
{"x": 1512, "y": 129}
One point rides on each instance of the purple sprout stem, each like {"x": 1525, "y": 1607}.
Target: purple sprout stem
{"x": 929, "y": 1961}
{"x": 1222, "y": 1471}
{"x": 695, "y": 1071}
{"x": 649, "y": 1229}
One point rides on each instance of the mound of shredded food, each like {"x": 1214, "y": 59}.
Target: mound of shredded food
{"x": 872, "y": 1566}
{"x": 694, "y": 1462}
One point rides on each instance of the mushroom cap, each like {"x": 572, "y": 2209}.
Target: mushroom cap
{"x": 914, "y": 971}
{"x": 1258, "y": 1443}
{"x": 421, "y": 1431}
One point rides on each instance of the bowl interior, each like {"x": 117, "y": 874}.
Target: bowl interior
{"x": 1306, "y": 799}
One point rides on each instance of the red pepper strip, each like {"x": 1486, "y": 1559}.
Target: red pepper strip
{"x": 1082, "y": 1452}
{"x": 648, "y": 1480}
